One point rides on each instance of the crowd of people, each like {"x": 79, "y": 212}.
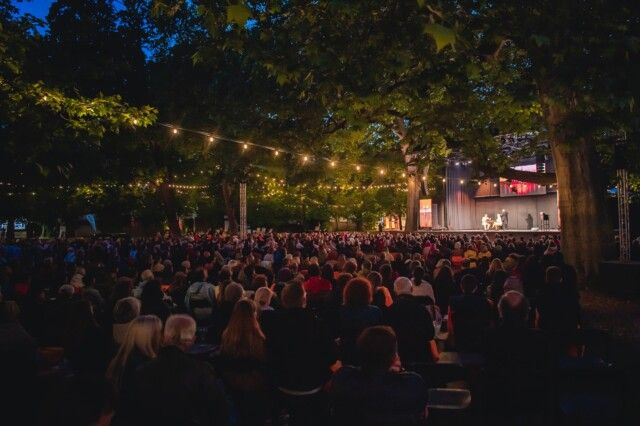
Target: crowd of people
{"x": 307, "y": 328}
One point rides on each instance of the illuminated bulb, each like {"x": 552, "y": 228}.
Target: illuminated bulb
{"x": 135, "y": 121}
{"x": 276, "y": 153}
{"x": 44, "y": 98}
{"x": 358, "y": 168}
{"x": 495, "y": 185}
{"x": 333, "y": 164}
{"x": 245, "y": 146}
{"x": 381, "y": 171}
{"x": 444, "y": 180}
{"x": 175, "y": 131}
{"x": 404, "y": 175}
{"x": 461, "y": 181}
{"x": 211, "y": 139}
{"x": 305, "y": 159}
{"x": 424, "y": 178}
{"x": 457, "y": 163}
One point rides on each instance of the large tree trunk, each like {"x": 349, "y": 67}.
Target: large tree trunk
{"x": 586, "y": 231}
{"x": 230, "y": 205}
{"x": 413, "y": 202}
{"x": 168, "y": 200}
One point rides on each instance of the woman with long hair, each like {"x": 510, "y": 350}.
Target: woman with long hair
{"x": 242, "y": 364}
{"x": 141, "y": 343}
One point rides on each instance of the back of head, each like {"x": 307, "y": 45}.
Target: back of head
{"x": 152, "y": 292}
{"x": 126, "y": 310}
{"x": 233, "y": 292}
{"x": 357, "y": 292}
{"x": 375, "y": 278}
{"x": 418, "y": 274}
{"x": 377, "y": 348}
{"x": 180, "y": 331}
{"x": 243, "y": 336}
{"x": 146, "y": 275}
{"x": 66, "y": 291}
{"x": 313, "y": 270}
{"x": 402, "y": 285}
{"x": 514, "y": 309}
{"x": 554, "y": 275}
{"x": 263, "y": 296}
{"x": 327, "y": 272}
{"x": 469, "y": 284}
{"x": 197, "y": 275}
{"x": 293, "y": 295}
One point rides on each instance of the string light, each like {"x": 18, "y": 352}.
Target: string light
{"x": 211, "y": 139}
{"x": 424, "y": 178}
{"x": 276, "y": 153}
{"x": 135, "y": 121}
{"x": 404, "y": 175}
{"x": 305, "y": 159}
{"x": 461, "y": 181}
{"x": 245, "y": 146}
{"x": 175, "y": 131}
{"x": 382, "y": 171}
{"x": 444, "y": 180}
{"x": 333, "y": 163}
{"x": 358, "y": 168}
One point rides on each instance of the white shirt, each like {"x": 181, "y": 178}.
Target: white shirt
{"x": 424, "y": 289}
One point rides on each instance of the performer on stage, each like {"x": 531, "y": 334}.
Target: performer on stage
{"x": 505, "y": 219}
{"x": 485, "y": 222}
{"x": 498, "y": 223}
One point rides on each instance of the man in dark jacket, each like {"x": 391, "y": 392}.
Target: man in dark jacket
{"x": 175, "y": 388}
{"x": 378, "y": 393}
{"x": 412, "y": 323}
{"x": 469, "y": 316}
{"x": 300, "y": 353}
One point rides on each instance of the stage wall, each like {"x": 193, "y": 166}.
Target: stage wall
{"x": 465, "y": 209}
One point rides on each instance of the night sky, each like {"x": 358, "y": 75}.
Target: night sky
{"x": 38, "y": 8}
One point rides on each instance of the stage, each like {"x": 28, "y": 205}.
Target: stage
{"x": 515, "y": 233}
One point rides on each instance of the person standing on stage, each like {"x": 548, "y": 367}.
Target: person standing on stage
{"x": 485, "y": 222}
{"x": 505, "y": 219}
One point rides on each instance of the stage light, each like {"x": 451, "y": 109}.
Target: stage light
{"x": 457, "y": 163}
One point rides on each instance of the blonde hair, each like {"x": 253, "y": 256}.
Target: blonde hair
{"x": 496, "y": 265}
{"x": 179, "y": 330}
{"x": 142, "y": 334}
{"x": 243, "y": 336}
{"x": 263, "y": 296}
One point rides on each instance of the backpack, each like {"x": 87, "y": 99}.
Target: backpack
{"x": 199, "y": 304}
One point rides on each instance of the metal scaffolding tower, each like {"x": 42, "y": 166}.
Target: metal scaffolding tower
{"x": 243, "y": 210}
{"x": 623, "y": 215}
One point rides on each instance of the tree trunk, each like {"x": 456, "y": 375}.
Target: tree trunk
{"x": 413, "y": 192}
{"x": 168, "y": 200}
{"x": 586, "y": 231}
{"x": 230, "y": 206}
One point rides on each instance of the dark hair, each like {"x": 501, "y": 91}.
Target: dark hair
{"x": 553, "y": 275}
{"x": 366, "y": 264}
{"x": 196, "y": 275}
{"x": 377, "y": 347}
{"x": 151, "y": 293}
{"x": 313, "y": 270}
{"x": 350, "y": 267}
{"x": 418, "y": 274}
{"x": 327, "y": 272}
{"x": 357, "y": 292}
{"x": 293, "y": 295}
{"x": 469, "y": 284}
{"x": 375, "y": 278}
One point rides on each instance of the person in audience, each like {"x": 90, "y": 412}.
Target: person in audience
{"x": 412, "y": 324}
{"x": 177, "y": 290}
{"x": 381, "y": 296}
{"x": 421, "y": 288}
{"x": 242, "y": 364}
{"x": 300, "y": 352}
{"x": 141, "y": 344}
{"x": 200, "y": 298}
{"x": 125, "y": 311}
{"x": 379, "y": 392}
{"x": 145, "y": 277}
{"x": 175, "y": 388}
{"x": 315, "y": 285}
{"x": 18, "y": 365}
{"x": 356, "y": 314}
{"x": 518, "y": 362}
{"x": 444, "y": 288}
{"x": 469, "y": 316}
{"x": 86, "y": 345}
{"x": 558, "y": 307}
{"x": 152, "y": 301}
{"x": 221, "y": 316}
{"x": 263, "y": 297}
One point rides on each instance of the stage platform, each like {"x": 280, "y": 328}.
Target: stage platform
{"x": 516, "y": 233}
